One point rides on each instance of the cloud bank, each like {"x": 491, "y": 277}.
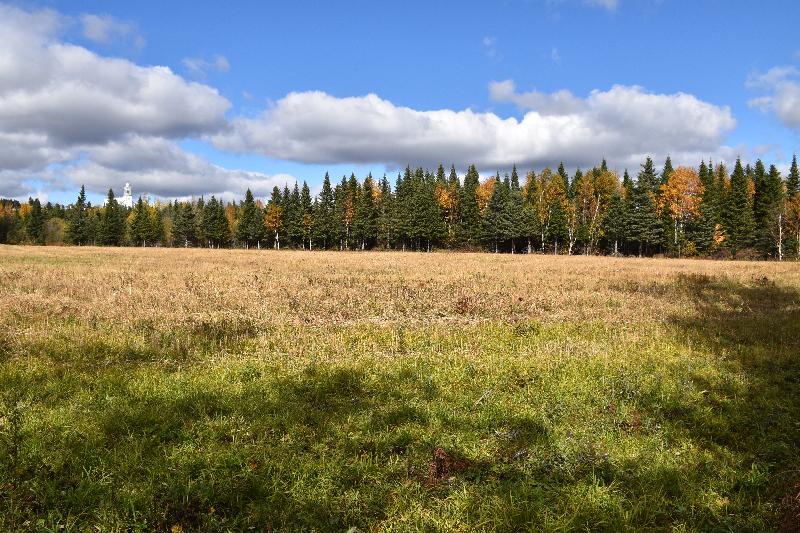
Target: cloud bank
{"x": 623, "y": 124}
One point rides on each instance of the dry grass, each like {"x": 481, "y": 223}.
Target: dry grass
{"x": 171, "y": 286}
{"x": 224, "y": 389}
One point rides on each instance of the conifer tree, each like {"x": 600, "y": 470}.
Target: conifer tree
{"x": 36, "y": 222}
{"x": 250, "y": 230}
{"x": 78, "y": 227}
{"x": 515, "y": 208}
{"x": 793, "y": 180}
{"x": 139, "y": 224}
{"x": 738, "y": 220}
{"x": 468, "y": 204}
{"x": 497, "y": 224}
{"x": 324, "y": 216}
{"x": 366, "y": 217}
{"x": 768, "y": 210}
{"x": 645, "y": 226}
{"x": 274, "y": 218}
{"x": 615, "y": 222}
{"x": 112, "y": 222}
{"x": 385, "y": 220}
{"x": 183, "y": 225}
{"x": 306, "y": 215}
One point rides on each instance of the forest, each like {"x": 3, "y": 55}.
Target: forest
{"x": 749, "y": 213}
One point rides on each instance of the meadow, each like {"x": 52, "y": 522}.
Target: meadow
{"x": 225, "y": 390}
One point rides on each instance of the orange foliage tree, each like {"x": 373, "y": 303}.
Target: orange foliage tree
{"x": 681, "y": 197}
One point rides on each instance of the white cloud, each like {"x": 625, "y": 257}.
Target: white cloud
{"x": 610, "y": 5}
{"x": 558, "y": 103}
{"x": 490, "y": 47}
{"x": 783, "y": 98}
{"x": 104, "y": 29}
{"x": 555, "y": 56}
{"x": 623, "y": 124}
{"x": 199, "y": 67}
{"x": 58, "y": 99}
{"x": 161, "y": 168}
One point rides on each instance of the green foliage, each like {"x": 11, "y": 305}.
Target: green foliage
{"x": 738, "y": 219}
{"x": 78, "y": 221}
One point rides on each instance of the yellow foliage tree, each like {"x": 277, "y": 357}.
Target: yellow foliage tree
{"x": 681, "y": 197}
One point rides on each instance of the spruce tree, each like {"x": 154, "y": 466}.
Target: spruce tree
{"x": 515, "y": 207}
{"x": 645, "y": 226}
{"x": 112, "y": 222}
{"x": 78, "y": 226}
{"x": 250, "y": 230}
{"x": 366, "y": 217}
{"x": 468, "y": 204}
{"x": 385, "y": 221}
{"x": 139, "y": 227}
{"x": 183, "y": 225}
{"x": 325, "y": 217}
{"x": 497, "y": 223}
{"x": 306, "y": 215}
{"x": 768, "y": 213}
{"x": 793, "y": 180}
{"x": 615, "y": 222}
{"x": 738, "y": 220}
{"x": 36, "y": 221}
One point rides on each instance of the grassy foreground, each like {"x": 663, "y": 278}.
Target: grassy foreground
{"x": 223, "y": 390}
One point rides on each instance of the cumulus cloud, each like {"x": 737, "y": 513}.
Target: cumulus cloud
{"x": 65, "y": 95}
{"x": 69, "y": 116}
{"x": 162, "y": 168}
{"x": 199, "y": 67}
{"x": 623, "y": 124}
{"x": 104, "y": 29}
{"x": 783, "y": 94}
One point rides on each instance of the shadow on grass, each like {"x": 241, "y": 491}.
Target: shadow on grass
{"x": 329, "y": 447}
{"x": 754, "y": 328}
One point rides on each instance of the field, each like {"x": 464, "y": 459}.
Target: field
{"x": 216, "y": 390}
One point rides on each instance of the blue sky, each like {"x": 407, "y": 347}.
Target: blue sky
{"x": 734, "y": 61}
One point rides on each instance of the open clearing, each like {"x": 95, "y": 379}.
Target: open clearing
{"x": 221, "y": 389}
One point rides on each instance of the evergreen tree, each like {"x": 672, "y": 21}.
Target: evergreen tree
{"x": 468, "y": 204}
{"x": 274, "y": 218}
{"x": 515, "y": 208}
{"x": 667, "y": 171}
{"x": 183, "y": 225}
{"x": 36, "y": 222}
{"x": 615, "y": 222}
{"x": 645, "y": 226}
{"x": 793, "y": 180}
{"x": 385, "y": 220}
{"x": 250, "y": 230}
{"x": 112, "y": 222}
{"x": 325, "y": 216}
{"x": 306, "y": 215}
{"x": 497, "y": 223}
{"x": 139, "y": 224}
{"x": 365, "y": 224}
{"x": 738, "y": 220}
{"x": 78, "y": 227}
{"x": 215, "y": 225}
{"x": 562, "y": 173}
{"x": 768, "y": 212}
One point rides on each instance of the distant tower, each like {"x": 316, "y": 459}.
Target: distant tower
{"x": 127, "y": 196}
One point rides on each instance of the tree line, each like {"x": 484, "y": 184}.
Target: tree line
{"x": 751, "y": 212}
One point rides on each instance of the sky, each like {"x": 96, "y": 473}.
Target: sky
{"x": 194, "y": 98}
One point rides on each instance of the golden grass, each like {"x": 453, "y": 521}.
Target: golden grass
{"x": 173, "y": 286}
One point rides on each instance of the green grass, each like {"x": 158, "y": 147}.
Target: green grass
{"x": 691, "y": 423}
